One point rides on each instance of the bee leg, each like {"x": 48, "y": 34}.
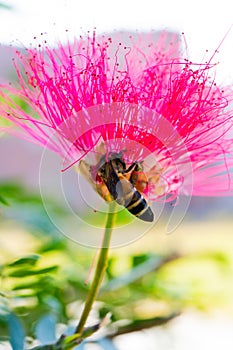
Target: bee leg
{"x": 131, "y": 167}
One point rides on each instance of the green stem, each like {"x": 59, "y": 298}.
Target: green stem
{"x": 100, "y": 268}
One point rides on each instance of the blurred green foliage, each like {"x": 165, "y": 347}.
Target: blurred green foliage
{"x": 43, "y": 284}
{"x": 15, "y": 101}
{"x": 5, "y": 6}
{"x": 3, "y": 200}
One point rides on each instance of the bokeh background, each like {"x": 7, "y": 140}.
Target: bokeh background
{"x": 174, "y": 290}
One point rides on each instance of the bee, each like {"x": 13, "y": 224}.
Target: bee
{"x": 125, "y": 185}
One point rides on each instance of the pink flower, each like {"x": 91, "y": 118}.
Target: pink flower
{"x": 135, "y": 94}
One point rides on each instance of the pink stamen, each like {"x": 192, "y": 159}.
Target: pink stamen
{"x": 133, "y": 92}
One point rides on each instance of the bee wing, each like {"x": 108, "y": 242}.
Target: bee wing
{"x": 99, "y": 186}
{"x": 112, "y": 181}
{"x": 84, "y": 169}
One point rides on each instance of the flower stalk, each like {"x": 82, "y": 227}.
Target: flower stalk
{"x": 100, "y": 268}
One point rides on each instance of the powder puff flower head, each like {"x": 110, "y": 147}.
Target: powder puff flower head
{"x": 139, "y": 121}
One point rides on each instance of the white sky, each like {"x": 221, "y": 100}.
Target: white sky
{"x": 204, "y": 22}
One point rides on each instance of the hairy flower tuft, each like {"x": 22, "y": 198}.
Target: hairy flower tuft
{"x": 130, "y": 93}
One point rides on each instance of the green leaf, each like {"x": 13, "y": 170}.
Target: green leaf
{"x": 3, "y": 200}
{"x": 46, "y": 329}
{"x": 25, "y": 273}
{"x": 16, "y": 332}
{"x": 134, "y": 274}
{"x": 71, "y": 338}
{"x": 26, "y": 260}
{"x": 69, "y": 342}
{"x": 5, "y": 6}
{"x": 4, "y": 310}
{"x": 139, "y": 259}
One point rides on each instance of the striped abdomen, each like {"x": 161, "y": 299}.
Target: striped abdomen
{"x": 134, "y": 202}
